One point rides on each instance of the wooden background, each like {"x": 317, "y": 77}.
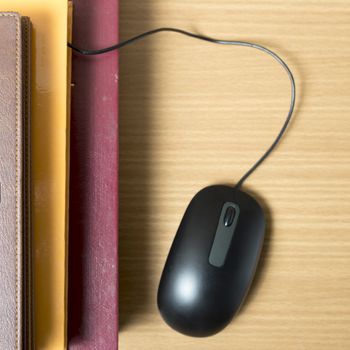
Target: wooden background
{"x": 194, "y": 114}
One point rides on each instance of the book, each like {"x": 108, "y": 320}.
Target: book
{"x": 15, "y": 264}
{"x": 49, "y": 163}
{"x": 93, "y": 225}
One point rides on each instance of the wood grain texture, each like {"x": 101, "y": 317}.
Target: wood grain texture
{"x": 194, "y": 114}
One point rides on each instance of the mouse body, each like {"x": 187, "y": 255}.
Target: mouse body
{"x": 212, "y": 261}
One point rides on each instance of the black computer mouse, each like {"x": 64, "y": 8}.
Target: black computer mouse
{"x": 212, "y": 261}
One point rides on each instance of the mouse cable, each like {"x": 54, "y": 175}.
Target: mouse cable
{"x": 215, "y": 41}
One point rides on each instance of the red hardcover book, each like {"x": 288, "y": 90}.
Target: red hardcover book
{"x": 93, "y": 214}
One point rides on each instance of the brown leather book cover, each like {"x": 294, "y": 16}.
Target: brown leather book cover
{"x": 15, "y": 297}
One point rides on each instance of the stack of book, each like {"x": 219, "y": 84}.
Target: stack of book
{"x": 58, "y": 176}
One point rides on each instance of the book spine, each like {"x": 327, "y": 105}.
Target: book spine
{"x": 93, "y": 224}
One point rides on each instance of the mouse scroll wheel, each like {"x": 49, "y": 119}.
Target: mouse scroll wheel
{"x": 229, "y": 216}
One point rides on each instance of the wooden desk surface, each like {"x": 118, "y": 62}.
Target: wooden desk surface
{"x": 194, "y": 114}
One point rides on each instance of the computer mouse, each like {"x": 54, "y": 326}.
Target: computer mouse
{"x": 212, "y": 261}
